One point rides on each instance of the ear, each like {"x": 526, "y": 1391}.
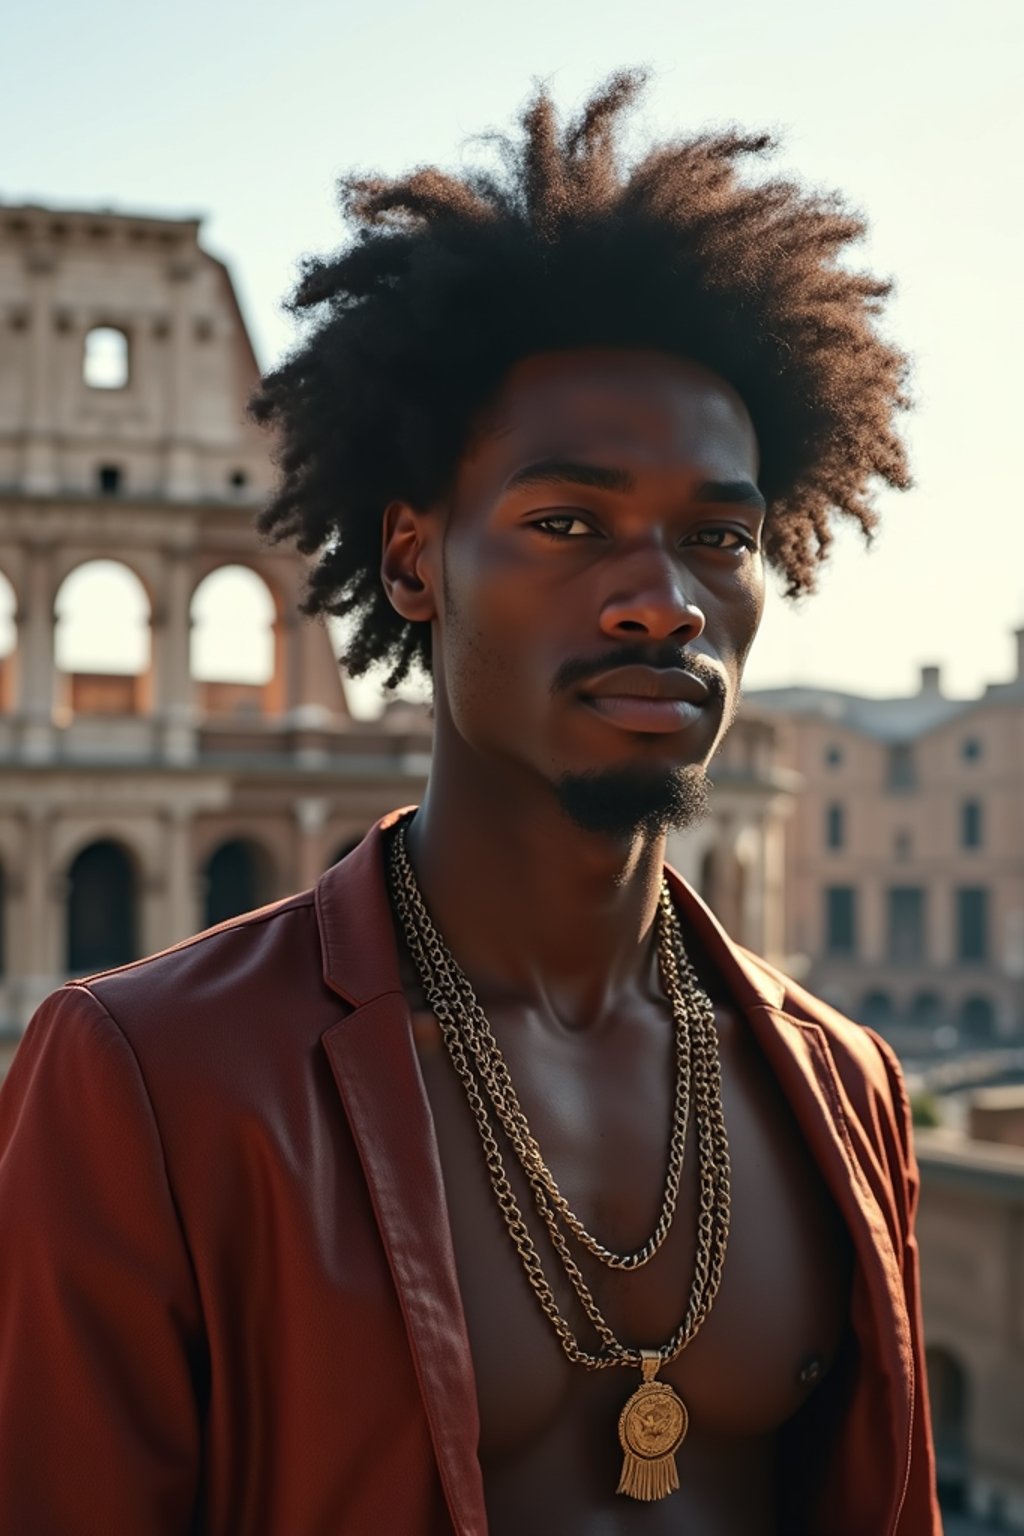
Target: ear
{"x": 404, "y": 565}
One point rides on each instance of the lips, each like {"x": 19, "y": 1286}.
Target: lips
{"x": 647, "y": 699}
{"x": 648, "y": 683}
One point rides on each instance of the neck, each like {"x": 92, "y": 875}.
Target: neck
{"x": 535, "y": 910}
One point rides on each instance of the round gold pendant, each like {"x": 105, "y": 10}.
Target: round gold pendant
{"x": 653, "y": 1422}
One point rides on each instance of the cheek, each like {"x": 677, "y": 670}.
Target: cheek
{"x": 491, "y": 633}
{"x": 738, "y": 612}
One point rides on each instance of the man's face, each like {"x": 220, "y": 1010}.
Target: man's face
{"x": 598, "y": 581}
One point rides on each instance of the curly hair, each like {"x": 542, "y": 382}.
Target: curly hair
{"x": 449, "y": 280}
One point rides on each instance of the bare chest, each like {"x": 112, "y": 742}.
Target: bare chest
{"x": 600, "y": 1107}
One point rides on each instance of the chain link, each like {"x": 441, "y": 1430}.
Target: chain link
{"x": 481, "y": 1067}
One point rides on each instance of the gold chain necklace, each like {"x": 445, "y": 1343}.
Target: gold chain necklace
{"x": 654, "y": 1421}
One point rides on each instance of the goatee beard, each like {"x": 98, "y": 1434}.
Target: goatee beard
{"x": 625, "y": 802}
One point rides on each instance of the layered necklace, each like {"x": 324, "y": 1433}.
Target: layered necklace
{"x": 654, "y": 1421}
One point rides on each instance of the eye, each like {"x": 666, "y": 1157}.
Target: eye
{"x": 563, "y": 525}
{"x": 729, "y": 539}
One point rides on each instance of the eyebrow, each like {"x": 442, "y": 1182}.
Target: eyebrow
{"x": 606, "y": 477}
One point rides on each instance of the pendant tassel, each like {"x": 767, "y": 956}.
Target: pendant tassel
{"x": 651, "y": 1429}
{"x": 648, "y": 1480}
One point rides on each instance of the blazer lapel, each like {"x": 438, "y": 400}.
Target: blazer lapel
{"x": 798, "y": 1052}
{"x": 377, "y": 1074}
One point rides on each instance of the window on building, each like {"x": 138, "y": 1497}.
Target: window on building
{"x": 101, "y": 909}
{"x": 972, "y": 923}
{"x": 238, "y": 876}
{"x": 833, "y": 755}
{"x": 108, "y": 479}
{"x": 906, "y": 922}
{"x": 238, "y": 479}
{"x": 949, "y": 1394}
{"x": 840, "y": 920}
{"x": 835, "y": 826}
{"x": 105, "y": 360}
{"x": 901, "y": 774}
{"x": 970, "y": 824}
{"x": 970, "y": 750}
{"x": 925, "y": 1010}
{"x": 902, "y": 845}
{"x": 977, "y": 1019}
{"x": 875, "y": 1010}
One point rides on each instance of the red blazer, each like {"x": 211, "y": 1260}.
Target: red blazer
{"x": 228, "y": 1299}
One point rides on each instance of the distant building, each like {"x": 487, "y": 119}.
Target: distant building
{"x": 139, "y": 805}
{"x": 905, "y": 855}
{"x": 970, "y": 1229}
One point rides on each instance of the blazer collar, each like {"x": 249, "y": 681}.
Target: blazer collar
{"x": 360, "y": 957}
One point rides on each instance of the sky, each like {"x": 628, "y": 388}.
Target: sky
{"x": 246, "y": 115}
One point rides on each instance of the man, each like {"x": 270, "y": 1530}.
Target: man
{"x": 489, "y": 1187}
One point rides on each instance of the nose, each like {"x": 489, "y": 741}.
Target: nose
{"x": 650, "y": 602}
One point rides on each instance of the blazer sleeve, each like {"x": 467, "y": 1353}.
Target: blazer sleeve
{"x": 100, "y": 1332}
{"x": 920, "y": 1515}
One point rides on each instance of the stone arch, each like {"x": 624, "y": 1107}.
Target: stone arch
{"x": 977, "y": 1018}
{"x": 723, "y": 885}
{"x": 102, "y": 639}
{"x": 876, "y": 1009}
{"x": 949, "y": 1394}
{"x": 235, "y": 657}
{"x": 103, "y": 888}
{"x": 238, "y": 875}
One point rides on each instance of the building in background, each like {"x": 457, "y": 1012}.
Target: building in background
{"x": 143, "y": 801}
{"x": 905, "y": 857}
{"x": 970, "y": 1230}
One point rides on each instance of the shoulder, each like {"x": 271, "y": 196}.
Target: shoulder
{"x": 248, "y": 985}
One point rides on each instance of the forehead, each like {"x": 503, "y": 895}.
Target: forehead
{"x": 643, "y": 409}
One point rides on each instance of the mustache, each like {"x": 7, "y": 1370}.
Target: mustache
{"x": 663, "y": 657}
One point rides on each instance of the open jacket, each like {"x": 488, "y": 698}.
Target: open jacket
{"x": 228, "y": 1298}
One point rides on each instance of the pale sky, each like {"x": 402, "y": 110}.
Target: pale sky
{"x": 246, "y": 114}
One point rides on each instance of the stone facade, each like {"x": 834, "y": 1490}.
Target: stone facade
{"x": 905, "y": 856}
{"x": 971, "y": 1234}
{"x": 158, "y": 798}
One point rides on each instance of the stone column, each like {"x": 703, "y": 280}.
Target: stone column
{"x": 180, "y": 464}
{"x": 36, "y": 663}
{"x": 40, "y": 470}
{"x": 182, "y": 892}
{"x": 39, "y": 965}
{"x": 173, "y": 693}
{"x": 311, "y": 815}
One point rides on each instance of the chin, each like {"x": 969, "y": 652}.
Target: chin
{"x": 638, "y": 799}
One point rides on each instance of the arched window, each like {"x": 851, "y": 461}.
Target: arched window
{"x": 101, "y": 911}
{"x": 105, "y": 361}
{"x": 876, "y": 1010}
{"x": 233, "y": 640}
{"x": 926, "y": 1010}
{"x": 949, "y": 1397}
{"x": 8, "y": 642}
{"x": 239, "y": 876}
{"x": 103, "y": 638}
{"x": 978, "y": 1019}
